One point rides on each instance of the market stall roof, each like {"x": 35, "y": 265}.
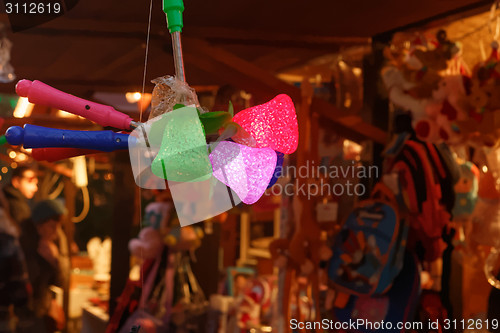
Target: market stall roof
{"x": 100, "y": 45}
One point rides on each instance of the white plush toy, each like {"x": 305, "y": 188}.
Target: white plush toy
{"x": 447, "y": 108}
{"x": 397, "y": 86}
{"x": 433, "y": 119}
{"x": 100, "y": 254}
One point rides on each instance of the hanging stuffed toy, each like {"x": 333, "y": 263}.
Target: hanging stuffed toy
{"x": 447, "y": 107}
{"x": 436, "y": 101}
{"x": 466, "y": 192}
{"x": 485, "y": 88}
{"x": 482, "y": 126}
{"x": 157, "y": 215}
{"x": 254, "y": 304}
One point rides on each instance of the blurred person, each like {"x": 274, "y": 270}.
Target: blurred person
{"x": 21, "y": 188}
{"x": 45, "y": 247}
{"x": 14, "y": 283}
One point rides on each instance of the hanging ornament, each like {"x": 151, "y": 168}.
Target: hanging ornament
{"x": 171, "y": 150}
{"x": 246, "y": 170}
{"x": 183, "y": 155}
{"x": 273, "y": 124}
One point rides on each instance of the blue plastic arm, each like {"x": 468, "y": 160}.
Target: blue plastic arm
{"x": 32, "y": 136}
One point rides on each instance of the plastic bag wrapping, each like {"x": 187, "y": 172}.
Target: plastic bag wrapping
{"x": 168, "y": 92}
{"x": 6, "y": 69}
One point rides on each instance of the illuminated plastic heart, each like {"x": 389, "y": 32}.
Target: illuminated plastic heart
{"x": 183, "y": 155}
{"x": 247, "y": 171}
{"x": 273, "y": 124}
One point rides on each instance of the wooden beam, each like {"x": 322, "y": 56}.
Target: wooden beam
{"x": 197, "y": 48}
{"x": 122, "y": 221}
{"x": 229, "y": 36}
{"x": 248, "y": 76}
{"x": 443, "y": 18}
{"x": 91, "y": 28}
{"x": 125, "y": 61}
{"x": 224, "y": 74}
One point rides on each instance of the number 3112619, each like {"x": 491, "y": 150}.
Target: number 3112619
{"x": 32, "y": 8}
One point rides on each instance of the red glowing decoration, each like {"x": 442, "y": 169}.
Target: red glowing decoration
{"x": 272, "y": 125}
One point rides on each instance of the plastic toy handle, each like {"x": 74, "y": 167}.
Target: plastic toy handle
{"x": 174, "y": 9}
{"x": 39, "y": 93}
{"x": 32, "y": 136}
{"x": 57, "y": 154}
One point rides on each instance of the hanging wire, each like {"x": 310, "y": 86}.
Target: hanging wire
{"x": 146, "y": 60}
{"x": 134, "y": 328}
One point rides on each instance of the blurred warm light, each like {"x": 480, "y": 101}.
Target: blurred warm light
{"x": 133, "y": 97}
{"x": 21, "y": 157}
{"x": 4, "y": 170}
{"x": 23, "y": 108}
{"x": 13, "y": 165}
{"x": 347, "y": 100}
{"x": 485, "y": 168}
{"x": 352, "y": 150}
{"x": 357, "y": 71}
{"x": 80, "y": 171}
{"x": 28, "y": 150}
{"x": 64, "y": 114}
{"x": 12, "y": 154}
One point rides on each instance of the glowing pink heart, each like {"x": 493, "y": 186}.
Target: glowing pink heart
{"x": 247, "y": 171}
{"x": 273, "y": 124}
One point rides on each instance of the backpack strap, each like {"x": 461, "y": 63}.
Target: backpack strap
{"x": 444, "y": 176}
{"x": 415, "y": 165}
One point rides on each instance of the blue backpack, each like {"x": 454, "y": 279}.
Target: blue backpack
{"x": 398, "y": 305}
{"x": 368, "y": 252}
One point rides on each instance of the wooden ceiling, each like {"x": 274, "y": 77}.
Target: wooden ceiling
{"x": 100, "y": 45}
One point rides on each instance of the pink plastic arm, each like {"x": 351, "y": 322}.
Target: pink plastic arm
{"x": 39, "y": 93}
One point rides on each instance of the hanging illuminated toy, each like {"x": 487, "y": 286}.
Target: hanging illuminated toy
{"x": 246, "y": 170}
{"x": 171, "y": 149}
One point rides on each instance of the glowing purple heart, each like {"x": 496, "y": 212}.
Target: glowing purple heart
{"x": 247, "y": 171}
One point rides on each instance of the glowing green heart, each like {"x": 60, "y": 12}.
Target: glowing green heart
{"x": 183, "y": 155}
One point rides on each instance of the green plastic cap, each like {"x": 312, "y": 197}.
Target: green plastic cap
{"x": 174, "y": 9}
